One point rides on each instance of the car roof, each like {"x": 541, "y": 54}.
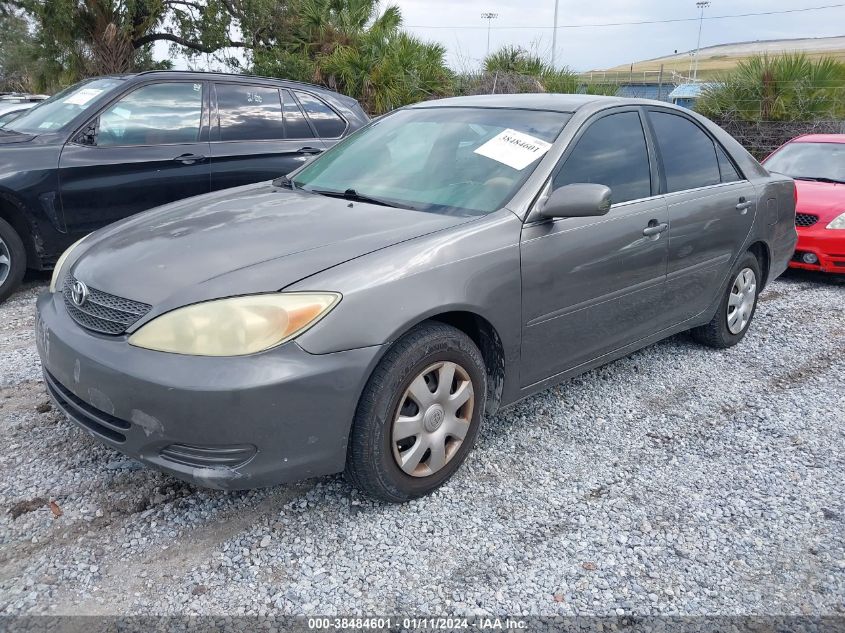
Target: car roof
{"x": 194, "y": 74}
{"x": 528, "y": 101}
{"x": 820, "y": 138}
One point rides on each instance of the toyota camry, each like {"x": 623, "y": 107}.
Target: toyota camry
{"x": 365, "y": 313}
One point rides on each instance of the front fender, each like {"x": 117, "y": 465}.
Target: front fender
{"x": 473, "y": 268}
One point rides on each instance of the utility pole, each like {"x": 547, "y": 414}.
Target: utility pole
{"x": 701, "y": 4}
{"x": 554, "y": 37}
{"x": 489, "y": 16}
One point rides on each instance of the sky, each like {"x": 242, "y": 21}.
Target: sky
{"x": 596, "y": 48}
{"x": 593, "y": 48}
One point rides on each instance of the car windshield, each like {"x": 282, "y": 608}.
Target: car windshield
{"x": 810, "y": 161}
{"x": 446, "y": 160}
{"x": 60, "y": 109}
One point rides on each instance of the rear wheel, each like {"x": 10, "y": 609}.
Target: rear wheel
{"x": 12, "y": 259}
{"x": 737, "y": 308}
{"x": 419, "y": 414}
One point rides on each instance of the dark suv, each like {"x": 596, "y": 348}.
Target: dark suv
{"x": 109, "y": 147}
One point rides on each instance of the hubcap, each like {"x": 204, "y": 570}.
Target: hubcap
{"x": 741, "y": 300}
{"x": 432, "y": 419}
{"x": 5, "y": 262}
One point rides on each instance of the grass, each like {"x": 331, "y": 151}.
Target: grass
{"x": 709, "y": 66}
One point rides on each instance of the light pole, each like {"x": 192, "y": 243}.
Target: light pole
{"x": 701, "y": 4}
{"x": 489, "y": 17}
{"x": 554, "y": 36}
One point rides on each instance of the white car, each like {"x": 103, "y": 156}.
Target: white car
{"x": 12, "y": 110}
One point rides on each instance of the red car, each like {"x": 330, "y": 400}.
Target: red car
{"x": 817, "y": 163}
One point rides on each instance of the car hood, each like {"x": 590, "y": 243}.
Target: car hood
{"x": 8, "y": 137}
{"x": 824, "y": 199}
{"x": 257, "y": 238}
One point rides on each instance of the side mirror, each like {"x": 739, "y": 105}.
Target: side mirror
{"x": 88, "y": 134}
{"x": 579, "y": 200}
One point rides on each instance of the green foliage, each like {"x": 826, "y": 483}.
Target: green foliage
{"x": 72, "y": 39}
{"x": 17, "y": 54}
{"x": 606, "y": 90}
{"x": 514, "y": 69}
{"x": 349, "y": 46}
{"x": 515, "y": 59}
{"x": 787, "y": 87}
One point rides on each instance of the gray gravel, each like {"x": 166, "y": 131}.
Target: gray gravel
{"x": 677, "y": 481}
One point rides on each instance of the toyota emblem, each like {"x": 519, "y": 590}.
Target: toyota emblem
{"x": 79, "y": 293}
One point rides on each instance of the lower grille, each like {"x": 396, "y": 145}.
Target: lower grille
{"x": 805, "y": 219}
{"x": 98, "y": 422}
{"x": 101, "y": 311}
{"x": 208, "y": 456}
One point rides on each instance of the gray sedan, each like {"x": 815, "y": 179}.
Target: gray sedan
{"x": 365, "y": 313}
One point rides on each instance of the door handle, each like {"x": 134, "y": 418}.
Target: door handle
{"x": 654, "y": 229}
{"x": 743, "y": 205}
{"x": 309, "y": 151}
{"x": 189, "y": 159}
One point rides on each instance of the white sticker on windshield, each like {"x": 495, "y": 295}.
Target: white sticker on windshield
{"x": 82, "y": 96}
{"x": 514, "y": 149}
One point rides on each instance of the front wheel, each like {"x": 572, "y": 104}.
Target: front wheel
{"x": 739, "y": 303}
{"x": 419, "y": 414}
{"x": 12, "y": 259}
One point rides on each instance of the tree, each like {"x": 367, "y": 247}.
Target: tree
{"x": 786, "y": 87}
{"x": 92, "y": 37}
{"x": 349, "y": 46}
{"x": 17, "y": 53}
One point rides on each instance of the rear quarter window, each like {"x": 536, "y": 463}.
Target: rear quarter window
{"x": 325, "y": 120}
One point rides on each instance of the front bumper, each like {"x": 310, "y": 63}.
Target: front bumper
{"x": 826, "y": 244}
{"x": 230, "y": 423}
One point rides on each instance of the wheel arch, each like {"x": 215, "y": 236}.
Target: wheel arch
{"x": 485, "y": 336}
{"x": 14, "y": 212}
{"x": 761, "y": 251}
{"x": 483, "y": 333}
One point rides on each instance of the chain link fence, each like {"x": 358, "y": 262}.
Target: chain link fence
{"x": 761, "y": 138}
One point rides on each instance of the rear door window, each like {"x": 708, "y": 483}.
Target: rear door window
{"x": 155, "y": 114}
{"x": 688, "y": 153}
{"x": 612, "y": 152}
{"x": 249, "y": 113}
{"x": 325, "y": 120}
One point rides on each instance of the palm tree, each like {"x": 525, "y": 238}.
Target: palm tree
{"x": 352, "y": 47}
{"x": 515, "y": 69}
{"x": 786, "y": 87}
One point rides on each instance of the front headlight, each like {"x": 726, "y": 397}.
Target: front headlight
{"x": 236, "y": 326}
{"x": 838, "y": 223}
{"x": 57, "y": 269}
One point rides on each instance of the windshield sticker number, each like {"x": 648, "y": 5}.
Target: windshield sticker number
{"x": 82, "y": 96}
{"x": 514, "y": 149}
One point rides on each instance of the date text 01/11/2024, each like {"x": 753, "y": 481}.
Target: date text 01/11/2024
{"x": 410, "y": 623}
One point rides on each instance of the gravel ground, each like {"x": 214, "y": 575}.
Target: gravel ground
{"x": 676, "y": 481}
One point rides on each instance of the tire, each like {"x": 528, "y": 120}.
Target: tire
{"x": 723, "y": 331}
{"x": 12, "y": 260}
{"x": 375, "y": 446}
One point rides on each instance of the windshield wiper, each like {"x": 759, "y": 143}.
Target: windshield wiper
{"x": 351, "y": 194}
{"x": 820, "y": 179}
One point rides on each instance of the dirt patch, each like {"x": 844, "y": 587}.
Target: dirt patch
{"x": 26, "y": 506}
{"x": 808, "y": 370}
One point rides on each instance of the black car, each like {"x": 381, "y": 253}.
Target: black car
{"x": 109, "y": 147}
